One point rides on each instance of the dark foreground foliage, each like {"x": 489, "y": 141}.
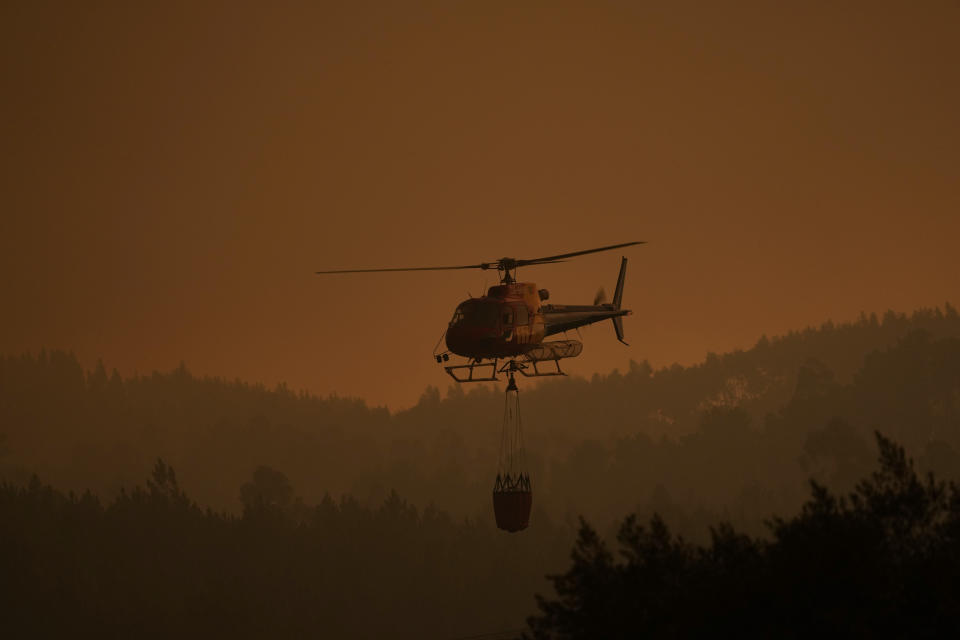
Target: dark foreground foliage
{"x": 153, "y": 564}
{"x": 882, "y": 562}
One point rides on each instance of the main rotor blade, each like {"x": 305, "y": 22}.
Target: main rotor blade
{"x": 485, "y": 265}
{"x": 546, "y": 259}
{"x": 501, "y": 264}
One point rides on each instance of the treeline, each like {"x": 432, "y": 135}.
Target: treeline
{"x": 734, "y": 437}
{"x": 151, "y": 563}
{"x": 881, "y": 562}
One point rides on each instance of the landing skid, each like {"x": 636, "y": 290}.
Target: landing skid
{"x": 476, "y": 370}
{"x": 472, "y": 368}
{"x": 540, "y": 374}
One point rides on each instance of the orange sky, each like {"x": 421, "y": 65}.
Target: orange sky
{"x": 172, "y": 175}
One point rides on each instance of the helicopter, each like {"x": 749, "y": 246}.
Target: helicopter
{"x": 512, "y": 320}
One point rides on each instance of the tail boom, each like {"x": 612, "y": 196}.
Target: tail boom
{"x": 560, "y": 318}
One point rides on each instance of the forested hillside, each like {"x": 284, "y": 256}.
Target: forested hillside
{"x": 733, "y": 436}
{"x": 880, "y": 561}
{"x": 273, "y": 513}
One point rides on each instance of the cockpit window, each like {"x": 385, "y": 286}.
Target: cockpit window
{"x": 506, "y": 316}
{"x": 475, "y": 314}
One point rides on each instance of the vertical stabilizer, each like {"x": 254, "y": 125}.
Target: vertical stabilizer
{"x": 617, "y": 297}
{"x": 618, "y": 294}
{"x": 618, "y": 327}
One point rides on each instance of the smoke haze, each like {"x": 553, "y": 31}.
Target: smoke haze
{"x": 174, "y": 174}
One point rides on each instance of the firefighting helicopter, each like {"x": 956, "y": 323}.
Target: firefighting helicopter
{"x": 512, "y": 320}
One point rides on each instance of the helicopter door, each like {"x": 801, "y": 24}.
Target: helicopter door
{"x": 521, "y": 315}
{"x": 506, "y": 322}
{"x": 521, "y": 319}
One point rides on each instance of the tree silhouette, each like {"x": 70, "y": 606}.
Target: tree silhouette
{"x": 881, "y": 561}
{"x": 269, "y": 489}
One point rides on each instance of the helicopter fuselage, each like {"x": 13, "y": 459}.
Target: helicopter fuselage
{"x": 513, "y": 319}
{"x": 504, "y": 323}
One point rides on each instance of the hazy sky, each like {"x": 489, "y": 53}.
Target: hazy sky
{"x": 174, "y": 173}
